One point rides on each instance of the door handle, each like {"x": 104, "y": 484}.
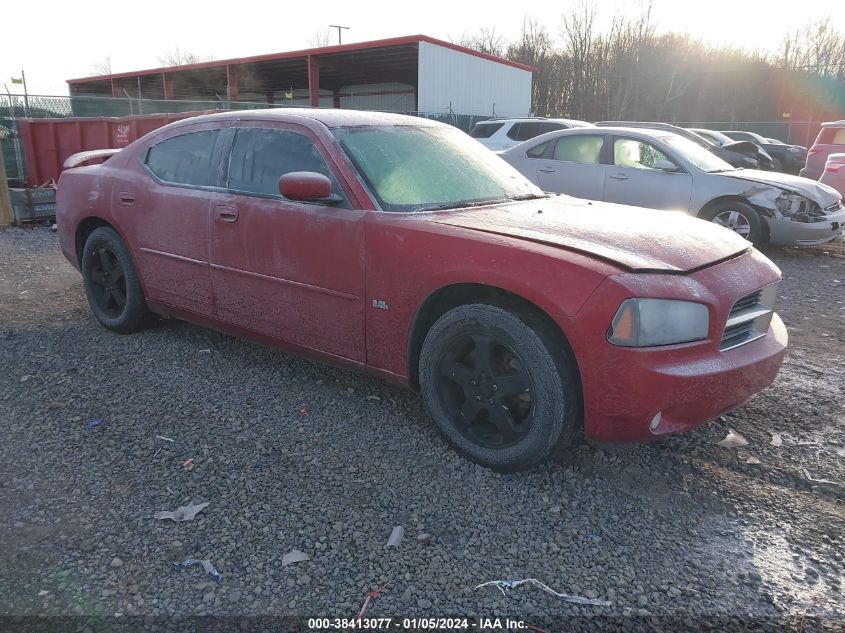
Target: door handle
{"x": 619, "y": 177}
{"x": 127, "y": 199}
{"x": 227, "y": 213}
{"x": 546, "y": 170}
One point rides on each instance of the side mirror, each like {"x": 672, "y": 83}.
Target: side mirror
{"x": 665, "y": 165}
{"x": 306, "y": 186}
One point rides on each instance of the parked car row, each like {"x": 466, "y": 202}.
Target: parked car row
{"x": 741, "y": 154}
{"x": 741, "y": 149}
{"x": 663, "y": 170}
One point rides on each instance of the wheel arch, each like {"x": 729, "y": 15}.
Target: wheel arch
{"x": 764, "y": 213}
{"x": 84, "y": 230}
{"x": 445, "y": 298}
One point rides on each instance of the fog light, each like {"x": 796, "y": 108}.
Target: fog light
{"x": 655, "y": 421}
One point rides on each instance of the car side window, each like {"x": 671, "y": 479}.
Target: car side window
{"x": 529, "y": 130}
{"x": 579, "y": 149}
{"x": 485, "y": 130}
{"x": 537, "y": 151}
{"x": 184, "y": 159}
{"x": 552, "y": 126}
{"x": 832, "y": 136}
{"x": 260, "y": 157}
{"x": 513, "y": 132}
{"x": 628, "y": 152}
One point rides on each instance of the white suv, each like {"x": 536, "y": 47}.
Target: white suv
{"x": 499, "y": 134}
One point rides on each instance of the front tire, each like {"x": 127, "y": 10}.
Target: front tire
{"x": 501, "y": 391}
{"x": 739, "y": 217}
{"x": 111, "y": 282}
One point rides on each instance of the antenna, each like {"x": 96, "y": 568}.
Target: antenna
{"x": 339, "y": 28}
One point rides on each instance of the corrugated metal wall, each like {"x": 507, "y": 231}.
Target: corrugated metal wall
{"x": 472, "y": 85}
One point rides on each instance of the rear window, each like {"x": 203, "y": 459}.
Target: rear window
{"x": 485, "y": 130}
{"x": 831, "y": 136}
{"x": 185, "y": 159}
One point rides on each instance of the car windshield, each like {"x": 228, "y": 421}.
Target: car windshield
{"x": 697, "y": 155}
{"x": 410, "y": 168}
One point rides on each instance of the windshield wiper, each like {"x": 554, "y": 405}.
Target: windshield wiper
{"x": 527, "y": 196}
{"x": 463, "y": 204}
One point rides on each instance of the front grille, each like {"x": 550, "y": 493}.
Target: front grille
{"x": 749, "y": 317}
{"x": 745, "y": 302}
{"x": 738, "y": 334}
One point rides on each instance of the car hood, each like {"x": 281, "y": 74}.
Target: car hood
{"x": 635, "y": 239}
{"x": 819, "y": 193}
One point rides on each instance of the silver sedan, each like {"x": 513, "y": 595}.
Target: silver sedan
{"x": 661, "y": 170}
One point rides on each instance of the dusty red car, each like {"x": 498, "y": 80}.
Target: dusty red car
{"x": 403, "y": 248}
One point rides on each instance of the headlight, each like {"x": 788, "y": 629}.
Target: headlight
{"x": 796, "y": 207}
{"x": 648, "y": 322}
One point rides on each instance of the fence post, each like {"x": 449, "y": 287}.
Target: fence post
{"x": 6, "y": 215}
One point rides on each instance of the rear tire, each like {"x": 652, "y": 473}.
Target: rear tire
{"x": 111, "y": 283}
{"x": 739, "y": 217}
{"x": 498, "y": 389}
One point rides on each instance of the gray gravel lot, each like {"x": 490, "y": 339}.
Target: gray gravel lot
{"x": 290, "y": 454}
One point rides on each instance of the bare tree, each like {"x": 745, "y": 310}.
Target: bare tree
{"x": 102, "y": 67}
{"x": 485, "y": 40}
{"x": 818, "y": 48}
{"x": 177, "y": 57}
{"x": 320, "y": 38}
{"x": 579, "y": 45}
{"x": 536, "y": 48}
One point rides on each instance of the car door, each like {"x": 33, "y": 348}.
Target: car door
{"x": 572, "y": 164}
{"x": 633, "y": 178}
{"x": 291, "y": 270}
{"x": 163, "y": 206}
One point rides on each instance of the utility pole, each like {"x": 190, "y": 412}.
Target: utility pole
{"x": 22, "y": 80}
{"x": 339, "y": 28}
{"x": 6, "y": 215}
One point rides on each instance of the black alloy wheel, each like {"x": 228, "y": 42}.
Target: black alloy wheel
{"x": 500, "y": 385}
{"x": 487, "y": 390}
{"x": 111, "y": 282}
{"x": 108, "y": 282}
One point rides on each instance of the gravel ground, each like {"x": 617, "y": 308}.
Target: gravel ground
{"x": 290, "y": 454}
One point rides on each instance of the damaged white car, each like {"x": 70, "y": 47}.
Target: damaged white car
{"x": 661, "y": 170}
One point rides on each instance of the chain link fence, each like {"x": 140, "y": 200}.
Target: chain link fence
{"x": 15, "y": 107}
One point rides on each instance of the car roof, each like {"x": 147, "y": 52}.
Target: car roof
{"x": 330, "y": 117}
{"x": 587, "y": 131}
{"x": 609, "y": 128}
{"x": 533, "y": 119}
{"x": 834, "y": 123}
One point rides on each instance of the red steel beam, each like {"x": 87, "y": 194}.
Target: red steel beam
{"x": 314, "y": 80}
{"x": 232, "y": 91}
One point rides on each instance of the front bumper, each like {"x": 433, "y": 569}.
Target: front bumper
{"x": 632, "y": 394}
{"x": 667, "y": 396}
{"x": 788, "y": 233}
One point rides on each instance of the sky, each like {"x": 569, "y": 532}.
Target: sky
{"x": 74, "y": 36}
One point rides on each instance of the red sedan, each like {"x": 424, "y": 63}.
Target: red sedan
{"x": 403, "y": 248}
